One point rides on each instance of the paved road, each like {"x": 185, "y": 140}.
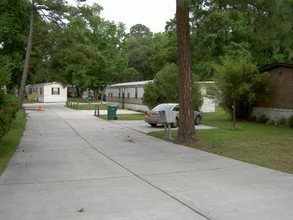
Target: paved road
{"x": 70, "y": 165}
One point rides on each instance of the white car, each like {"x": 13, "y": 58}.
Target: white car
{"x": 153, "y": 118}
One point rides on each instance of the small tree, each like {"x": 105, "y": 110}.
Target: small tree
{"x": 165, "y": 88}
{"x": 239, "y": 81}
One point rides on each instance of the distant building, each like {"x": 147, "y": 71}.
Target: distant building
{"x": 47, "y": 92}
{"x": 279, "y": 105}
{"x": 129, "y": 95}
{"x": 209, "y": 102}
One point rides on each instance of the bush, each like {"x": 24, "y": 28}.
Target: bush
{"x": 239, "y": 80}
{"x": 262, "y": 119}
{"x": 165, "y": 88}
{"x": 252, "y": 118}
{"x": 290, "y": 121}
{"x": 9, "y": 105}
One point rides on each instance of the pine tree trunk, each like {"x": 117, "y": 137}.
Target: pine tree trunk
{"x": 186, "y": 130}
{"x": 27, "y": 57}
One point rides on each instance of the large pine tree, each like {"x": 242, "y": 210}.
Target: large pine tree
{"x": 186, "y": 131}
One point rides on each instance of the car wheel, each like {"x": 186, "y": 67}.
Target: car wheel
{"x": 176, "y": 124}
{"x": 153, "y": 125}
{"x": 197, "y": 120}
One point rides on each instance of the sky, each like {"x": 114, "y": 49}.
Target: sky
{"x": 151, "y": 13}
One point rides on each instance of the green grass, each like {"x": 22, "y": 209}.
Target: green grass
{"x": 264, "y": 145}
{"x": 91, "y": 106}
{"x": 81, "y": 100}
{"x": 27, "y": 101}
{"x": 11, "y": 140}
{"x": 88, "y": 106}
{"x": 126, "y": 116}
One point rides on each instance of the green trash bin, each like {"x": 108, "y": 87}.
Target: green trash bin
{"x": 86, "y": 99}
{"x": 112, "y": 109}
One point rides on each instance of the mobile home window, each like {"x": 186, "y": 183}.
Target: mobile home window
{"x": 55, "y": 91}
{"x": 136, "y": 92}
{"x": 41, "y": 91}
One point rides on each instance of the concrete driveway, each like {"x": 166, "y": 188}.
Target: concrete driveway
{"x": 70, "y": 165}
{"x": 142, "y": 126}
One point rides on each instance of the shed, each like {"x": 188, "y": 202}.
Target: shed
{"x": 279, "y": 105}
{"x": 47, "y": 92}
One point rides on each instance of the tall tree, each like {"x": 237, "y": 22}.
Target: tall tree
{"x": 139, "y": 50}
{"x": 49, "y": 10}
{"x": 186, "y": 130}
{"x": 27, "y": 56}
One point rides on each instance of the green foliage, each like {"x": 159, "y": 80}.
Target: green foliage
{"x": 165, "y": 88}
{"x": 11, "y": 140}
{"x": 164, "y": 50}
{"x": 262, "y": 119}
{"x": 5, "y": 71}
{"x": 260, "y": 30}
{"x": 240, "y": 81}
{"x": 9, "y": 105}
{"x": 14, "y": 20}
{"x": 138, "y": 47}
{"x": 140, "y": 31}
{"x": 91, "y": 52}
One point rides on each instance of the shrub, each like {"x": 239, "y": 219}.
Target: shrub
{"x": 9, "y": 105}
{"x": 239, "y": 80}
{"x": 262, "y": 119}
{"x": 165, "y": 88}
{"x": 290, "y": 121}
{"x": 252, "y": 118}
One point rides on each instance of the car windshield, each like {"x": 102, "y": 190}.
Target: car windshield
{"x": 163, "y": 107}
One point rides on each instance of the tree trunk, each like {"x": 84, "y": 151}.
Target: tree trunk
{"x": 27, "y": 57}
{"x": 186, "y": 130}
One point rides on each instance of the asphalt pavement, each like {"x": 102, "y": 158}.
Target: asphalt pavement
{"x": 72, "y": 165}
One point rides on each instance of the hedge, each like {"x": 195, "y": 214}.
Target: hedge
{"x": 9, "y": 105}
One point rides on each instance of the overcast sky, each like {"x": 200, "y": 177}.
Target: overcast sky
{"x": 151, "y": 13}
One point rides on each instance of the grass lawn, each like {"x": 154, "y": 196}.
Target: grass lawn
{"x": 126, "y": 117}
{"x": 89, "y": 106}
{"x": 81, "y": 100}
{"x": 11, "y": 140}
{"x": 264, "y": 145}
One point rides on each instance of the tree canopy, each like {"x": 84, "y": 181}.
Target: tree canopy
{"x": 76, "y": 45}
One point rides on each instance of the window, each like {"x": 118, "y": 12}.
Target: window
{"x": 41, "y": 91}
{"x": 55, "y": 91}
{"x": 128, "y": 95}
{"x": 136, "y": 92}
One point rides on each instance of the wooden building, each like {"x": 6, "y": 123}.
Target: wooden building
{"x": 279, "y": 105}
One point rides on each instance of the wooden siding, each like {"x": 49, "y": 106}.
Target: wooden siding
{"x": 281, "y": 85}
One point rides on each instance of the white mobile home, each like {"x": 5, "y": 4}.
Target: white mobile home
{"x": 47, "y": 92}
{"x": 128, "y": 95}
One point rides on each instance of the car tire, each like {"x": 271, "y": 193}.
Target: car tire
{"x": 153, "y": 125}
{"x": 197, "y": 120}
{"x": 176, "y": 124}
